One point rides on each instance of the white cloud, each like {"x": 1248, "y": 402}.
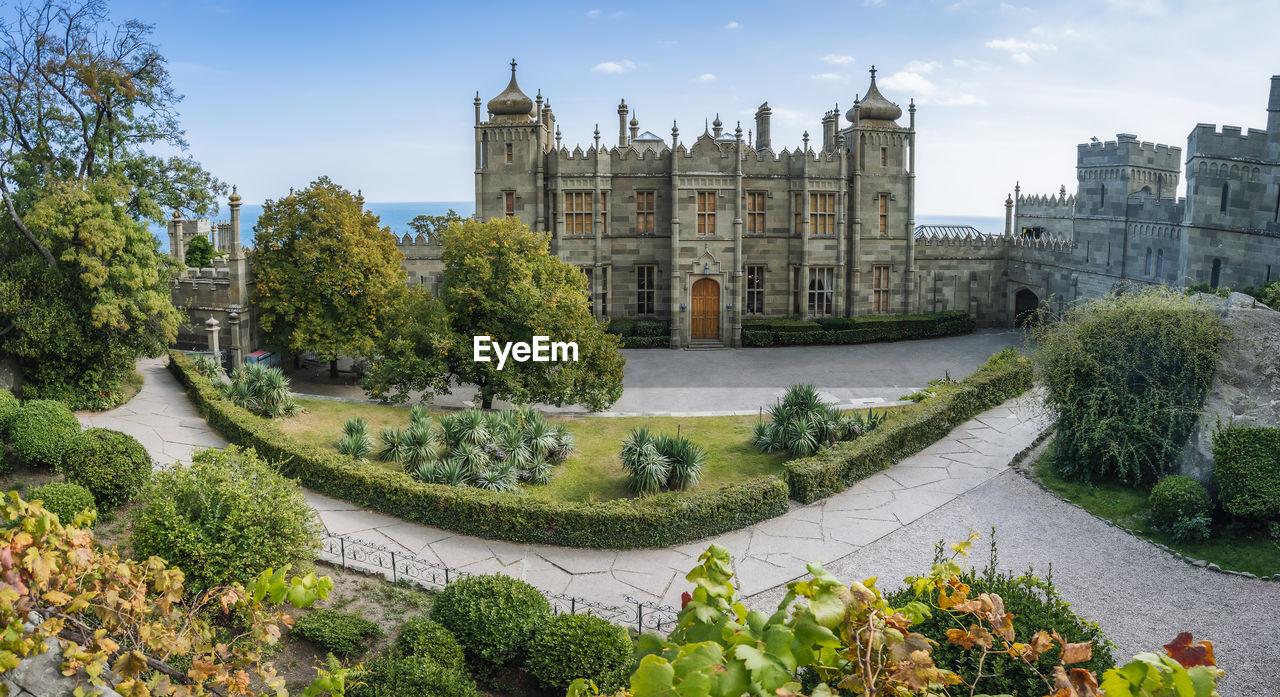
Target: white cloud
{"x": 922, "y": 66}
{"x": 1143, "y": 7}
{"x": 1021, "y": 57}
{"x": 829, "y": 76}
{"x": 960, "y": 62}
{"x": 962, "y": 99}
{"x": 705, "y": 77}
{"x": 592, "y": 14}
{"x": 614, "y": 66}
{"x": 732, "y": 25}
{"x": 1018, "y": 49}
{"x": 837, "y": 59}
{"x": 914, "y": 83}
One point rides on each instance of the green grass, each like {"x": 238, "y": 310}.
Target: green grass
{"x": 1231, "y": 546}
{"x": 594, "y": 472}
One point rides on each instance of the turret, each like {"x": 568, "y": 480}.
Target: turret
{"x": 762, "y": 127}
{"x": 622, "y": 124}
{"x": 635, "y": 127}
{"x": 1273, "y": 111}
{"x": 233, "y": 203}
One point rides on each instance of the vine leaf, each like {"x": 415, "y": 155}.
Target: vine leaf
{"x": 1189, "y": 655}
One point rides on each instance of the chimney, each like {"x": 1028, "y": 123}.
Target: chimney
{"x": 234, "y": 204}
{"x": 762, "y": 127}
{"x": 622, "y": 123}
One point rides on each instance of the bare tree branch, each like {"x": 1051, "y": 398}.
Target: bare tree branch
{"x": 17, "y": 220}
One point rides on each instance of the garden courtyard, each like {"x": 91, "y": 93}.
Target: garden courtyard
{"x": 884, "y": 525}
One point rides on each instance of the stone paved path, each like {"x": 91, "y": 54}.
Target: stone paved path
{"x": 766, "y": 554}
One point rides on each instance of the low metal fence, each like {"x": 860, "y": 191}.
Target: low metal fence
{"x": 640, "y": 615}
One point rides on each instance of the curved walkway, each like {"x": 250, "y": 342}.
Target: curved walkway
{"x": 884, "y": 526}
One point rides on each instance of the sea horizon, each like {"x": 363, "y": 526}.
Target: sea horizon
{"x": 397, "y": 214}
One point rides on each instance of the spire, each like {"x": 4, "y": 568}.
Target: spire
{"x": 512, "y": 104}
{"x": 718, "y": 126}
{"x": 874, "y": 106}
{"x": 806, "y": 141}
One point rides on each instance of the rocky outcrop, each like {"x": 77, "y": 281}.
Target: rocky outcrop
{"x": 10, "y": 375}
{"x": 1245, "y": 390}
{"x": 41, "y": 675}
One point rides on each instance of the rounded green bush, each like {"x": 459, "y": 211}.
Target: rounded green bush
{"x": 392, "y": 676}
{"x": 112, "y": 465}
{"x": 568, "y": 647}
{"x": 336, "y": 632}
{"x": 422, "y": 637}
{"x": 40, "y": 432}
{"x": 493, "y": 617}
{"x": 1177, "y": 498}
{"x": 225, "y": 519}
{"x": 63, "y": 498}
{"x": 9, "y": 406}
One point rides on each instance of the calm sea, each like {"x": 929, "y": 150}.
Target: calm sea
{"x": 397, "y": 215}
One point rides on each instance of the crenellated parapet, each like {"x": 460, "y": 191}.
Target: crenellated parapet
{"x": 1166, "y": 211}
{"x": 1230, "y": 143}
{"x": 1049, "y": 202}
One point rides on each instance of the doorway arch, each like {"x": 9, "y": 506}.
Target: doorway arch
{"x": 705, "y": 317}
{"x": 1025, "y": 304}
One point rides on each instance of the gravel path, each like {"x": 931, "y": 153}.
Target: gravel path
{"x": 1142, "y": 596}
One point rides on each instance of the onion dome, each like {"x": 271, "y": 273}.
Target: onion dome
{"x": 634, "y": 121}
{"x": 235, "y": 196}
{"x": 874, "y": 106}
{"x": 512, "y": 103}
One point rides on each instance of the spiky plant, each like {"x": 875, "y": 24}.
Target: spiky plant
{"x": 565, "y": 444}
{"x": 875, "y": 419}
{"x": 390, "y": 438}
{"x": 426, "y": 472}
{"x": 633, "y": 446}
{"x": 515, "y": 450}
{"x": 802, "y": 399}
{"x": 494, "y": 479}
{"x": 418, "y": 414}
{"x": 356, "y": 445}
{"x": 852, "y": 425}
{"x": 650, "y": 470}
{"x": 541, "y": 437}
{"x": 262, "y": 390}
{"x": 472, "y": 457}
{"x": 355, "y": 426}
{"x": 473, "y": 427}
{"x": 685, "y": 458}
{"x": 539, "y": 471}
{"x": 450, "y": 429}
{"x": 453, "y": 472}
{"x": 802, "y": 436}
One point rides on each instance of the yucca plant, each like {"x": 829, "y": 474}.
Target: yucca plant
{"x": 449, "y": 429}
{"x": 453, "y": 472}
{"x": 539, "y": 471}
{"x": 495, "y": 479}
{"x": 473, "y": 428}
{"x": 425, "y": 472}
{"x": 418, "y": 414}
{"x": 356, "y": 445}
{"x": 685, "y": 459}
{"x": 514, "y": 450}
{"x": 355, "y": 426}
{"x": 565, "y": 444}
{"x": 390, "y": 437}
{"x": 801, "y": 423}
{"x": 472, "y": 457}
{"x": 541, "y": 437}
{"x": 261, "y": 390}
{"x": 632, "y": 447}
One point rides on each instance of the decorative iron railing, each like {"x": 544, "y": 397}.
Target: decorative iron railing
{"x": 367, "y": 556}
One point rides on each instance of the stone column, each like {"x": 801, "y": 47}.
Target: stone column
{"x": 678, "y": 318}
{"x": 738, "y": 294}
{"x": 211, "y": 326}
{"x": 237, "y": 353}
{"x": 909, "y": 295}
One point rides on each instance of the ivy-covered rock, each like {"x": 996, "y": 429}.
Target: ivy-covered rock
{"x": 112, "y": 465}
{"x": 40, "y": 432}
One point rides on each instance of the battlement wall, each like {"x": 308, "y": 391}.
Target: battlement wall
{"x": 1231, "y": 142}
{"x": 1155, "y": 210}
{"x": 1127, "y": 151}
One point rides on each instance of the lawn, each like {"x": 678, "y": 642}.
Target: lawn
{"x": 593, "y": 473}
{"x": 1231, "y": 546}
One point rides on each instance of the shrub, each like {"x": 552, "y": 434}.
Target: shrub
{"x": 336, "y": 632}
{"x": 494, "y": 451}
{"x": 801, "y": 423}
{"x": 112, "y": 465}
{"x": 208, "y": 367}
{"x": 493, "y": 617}
{"x": 854, "y": 330}
{"x": 1003, "y": 377}
{"x": 262, "y": 390}
{"x": 1124, "y": 377}
{"x": 1246, "y": 468}
{"x": 568, "y": 647}
{"x": 654, "y": 521}
{"x": 225, "y": 516}
{"x": 9, "y": 406}
{"x": 1036, "y": 606}
{"x": 64, "y": 498}
{"x": 422, "y": 637}
{"x": 657, "y": 462}
{"x": 392, "y": 676}
{"x": 355, "y": 442}
{"x": 40, "y": 432}
{"x": 1181, "y": 507}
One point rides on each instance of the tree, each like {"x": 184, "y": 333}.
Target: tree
{"x": 501, "y": 281}
{"x": 411, "y": 352}
{"x": 325, "y": 272}
{"x": 431, "y": 225}
{"x": 199, "y": 252}
{"x": 82, "y": 283}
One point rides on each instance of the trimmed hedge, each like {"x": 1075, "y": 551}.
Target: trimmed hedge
{"x": 855, "y": 330}
{"x": 392, "y": 676}
{"x": 112, "y": 465}
{"x": 1176, "y": 498}
{"x": 64, "y": 498}
{"x": 568, "y": 647}
{"x": 1246, "y": 468}
{"x": 422, "y": 637}
{"x": 40, "y": 432}
{"x": 641, "y": 333}
{"x": 1006, "y": 375}
{"x": 339, "y": 633}
{"x": 652, "y": 521}
{"x": 493, "y": 617}
{"x": 8, "y": 409}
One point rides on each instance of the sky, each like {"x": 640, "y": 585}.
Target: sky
{"x": 378, "y": 95}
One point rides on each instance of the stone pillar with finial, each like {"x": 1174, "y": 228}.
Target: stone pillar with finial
{"x": 762, "y": 127}
{"x": 479, "y": 172}
{"x": 178, "y": 245}
{"x": 622, "y": 123}
{"x": 212, "y": 328}
{"x": 233, "y": 204}
{"x": 634, "y": 126}
{"x": 737, "y": 292}
{"x": 908, "y": 301}
{"x": 597, "y": 229}
{"x": 237, "y": 262}
{"x": 236, "y": 349}
{"x": 679, "y": 319}
{"x": 1008, "y": 215}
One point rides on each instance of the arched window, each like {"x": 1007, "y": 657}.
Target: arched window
{"x": 1146, "y": 265}
{"x": 1222, "y": 202}
{"x": 1159, "y": 263}
{"x": 1216, "y": 274}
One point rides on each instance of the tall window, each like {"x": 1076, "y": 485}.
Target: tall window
{"x": 510, "y": 154}
{"x": 510, "y": 203}
{"x": 646, "y": 289}
{"x": 577, "y": 212}
{"x": 644, "y": 212}
{"x": 1216, "y": 274}
{"x": 1146, "y": 265}
{"x": 604, "y": 291}
{"x": 821, "y": 290}
{"x": 798, "y": 203}
{"x": 1222, "y": 201}
{"x": 706, "y": 213}
{"x": 755, "y": 290}
{"x": 795, "y": 289}
{"x": 884, "y": 214}
{"x": 880, "y": 288}
{"x": 884, "y": 157}
{"x": 1159, "y": 263}
{"x": 604, "y": 212}
{"x": 755, "y": 211}
{"x": 1102, "y": 195}
{"x": 822, "y": 214}
{"x": 591, "y": 289}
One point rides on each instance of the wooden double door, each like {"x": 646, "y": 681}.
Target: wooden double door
{"x": 705, "y": 317}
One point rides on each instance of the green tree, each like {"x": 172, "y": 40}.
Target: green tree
{"x": 199, "y": 252}
{"x": 431, "y": 225}
{"x": 501, "y": 281}
{"x": 412, "y": 350}
{"x": 325, "y": 272}
{"x": 83, "y": 287}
